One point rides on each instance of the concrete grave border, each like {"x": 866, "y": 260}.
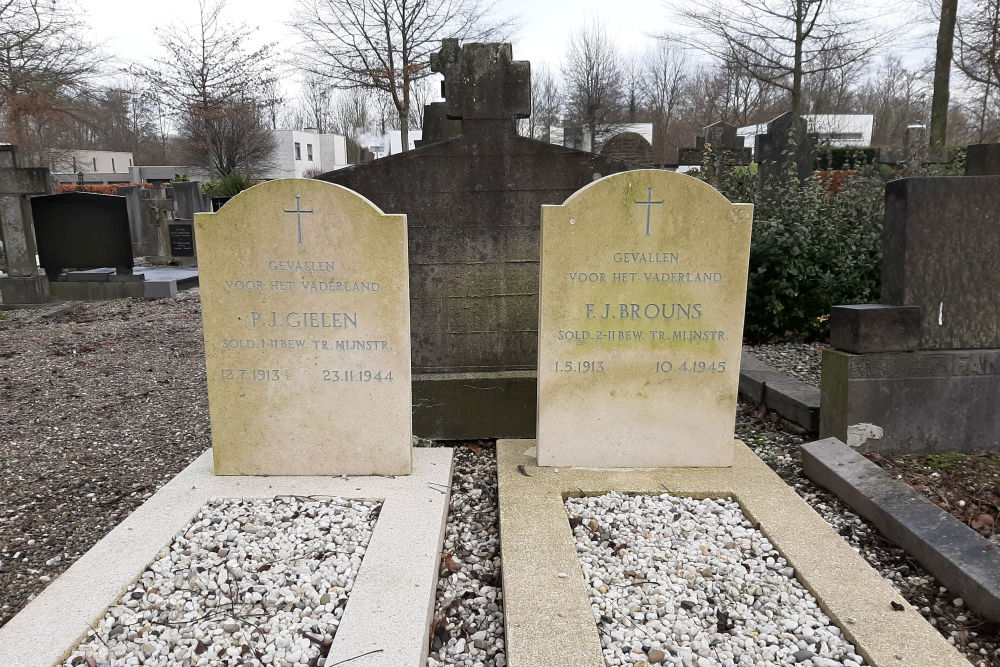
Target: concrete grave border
{"x": 537, "y": 547}
{"x": 405, "y": 549}
{"x": 796, "y": 401}
{"x": 959, "y": 557}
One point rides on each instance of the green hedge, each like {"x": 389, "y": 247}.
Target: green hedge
{"x": 810, "y": 250}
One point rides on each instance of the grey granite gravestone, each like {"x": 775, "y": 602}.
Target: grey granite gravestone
{"x": 717, "y": 151}
{"x": 23, "y": 283}
{"x": 787, "y": 141}
{"x": 921, "y": 371}
{"x": 472, "y": 204}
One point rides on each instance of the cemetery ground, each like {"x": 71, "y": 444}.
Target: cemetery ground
{"x": 103, "y": 403}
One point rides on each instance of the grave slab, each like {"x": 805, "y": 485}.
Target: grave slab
{"x": 537, "y": 545}
{"x": 796, "y": 401}
{"x": 305, "y": 307}
{"x": 389, "y": 610}
{"x": 642, "y": 292}
{"x": 956, "y": 555}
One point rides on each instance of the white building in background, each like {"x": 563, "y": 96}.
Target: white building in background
{"x": 854, "y": 130}
{"x": 390, "y": 143}
{"x": 298, "y": 152}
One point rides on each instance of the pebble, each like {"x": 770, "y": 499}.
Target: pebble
{"x": 699, "y": 562}
{"x": 282, "y": 549}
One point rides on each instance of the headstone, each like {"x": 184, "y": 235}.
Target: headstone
{"x": 181, "y": 239}
{"x": 23, "y": 283}
{"x": 920, "y": 372}
{"x": 717, "y": 152}
{"x": 142, "y": 221}
{"x": 786, "y": 142}
{"x": 629, "y": 146}
{"x": 643, "y": 287}
{"x": 305, "y": 305}
{"x": 983, "y": 160}
{"x": 82, "y": 230}
{"x": 162, "y": 208}
{"x": 472, "y": 205}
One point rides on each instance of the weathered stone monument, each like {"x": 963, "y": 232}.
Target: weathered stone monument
{"x": 305, "y": 305}
{"x": 786, "y": 142}
{"x": 717, "y": 151}
{"x": 643, "y": 286}
{"x": 23, "y": 283}
{"x": 920, "y": 372}
{"x": 472, "y": 205}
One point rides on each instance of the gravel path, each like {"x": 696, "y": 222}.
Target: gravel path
{"x": 106, "y": 402}
{"x": 679, "y": 581}
{"x": 247, "y": 582}
{"x": 800, "y": 361}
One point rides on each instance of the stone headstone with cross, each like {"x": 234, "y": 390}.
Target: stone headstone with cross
{"x": 717, "y": 151}
{"x": 305, "y": 304}
{"x": 786, "y": 144}
{"x": 643, "y": 287}
{"x": 23, "y": 283}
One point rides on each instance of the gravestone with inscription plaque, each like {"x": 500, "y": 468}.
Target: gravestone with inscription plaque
{"x": 305, "y": 304}
{"x": 643, "y": 286}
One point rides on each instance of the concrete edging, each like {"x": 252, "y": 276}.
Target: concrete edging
{"x": 961, "y": 559}
{"x": 405, "y": 549}
{"x": 796, "y": 401}
{"x": 547, "y": 613}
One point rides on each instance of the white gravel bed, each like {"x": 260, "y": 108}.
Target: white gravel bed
{"x": 685, "y": 582}
{"x": 467, "y": 630}
{"x": 799, "y": 361}
{"x": 247, "y": 582}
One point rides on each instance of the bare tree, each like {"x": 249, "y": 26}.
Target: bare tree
{"x": 592, "y": 75}
{"x": 385, "y": 45}
{"x": 942, "y": 72}
{"x": 217, "y": 90}
{"x": 665, "y": 71}
{"x": 546, "y": 103}
{"x": 897, "y": 97}
{"x": 779, "y": 42}
{"x": 978, "y": 58}
{"x": 45, "y": 69}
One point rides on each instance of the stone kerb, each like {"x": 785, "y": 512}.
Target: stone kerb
{"x": 305, "y": 295}
{"x": 643, "y": 285}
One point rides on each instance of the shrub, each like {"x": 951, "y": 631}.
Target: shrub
{"x": 234, "y": 183}
{"x": 812, "y": 247}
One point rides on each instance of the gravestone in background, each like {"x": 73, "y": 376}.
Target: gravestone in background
{"x": 472, "y": 204}
{"x": 920, "y": 372}
{"x": 305, "y": 306}
{"x": 983, "y": 160}
{"x": 786, "y": 142}
{"x": 643, "y": 287}
{"x": 82, "y": 230}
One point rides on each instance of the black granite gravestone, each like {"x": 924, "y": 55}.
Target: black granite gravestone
{"x": 473, "y": 207}
{"x": 82, "y": 230}
{"x": 983, "y": 160}
{"x": 922, "y": 369}
{"x": 181, "y": 239}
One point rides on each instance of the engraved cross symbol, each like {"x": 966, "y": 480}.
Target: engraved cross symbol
{"x": 649, "y": 203}
{"x": 298, "y": 212}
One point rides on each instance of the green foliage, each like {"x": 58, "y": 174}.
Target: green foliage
{"x": 233, "y": 183}
{"x": 944, "y": 462}
{"x": 811, "y": 249}
{"x": 180, "y": 178}
{"x": 831, "y": 157}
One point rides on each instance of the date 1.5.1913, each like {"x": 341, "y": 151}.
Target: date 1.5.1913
{"x": 579, "y": 366}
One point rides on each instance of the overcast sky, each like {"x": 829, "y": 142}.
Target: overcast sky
{"x": 128, "y": 30}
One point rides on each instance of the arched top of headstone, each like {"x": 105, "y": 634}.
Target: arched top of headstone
{"x": 628, "y": 146}
{"x": 259, "y": 190}
{"x": 681, "y": 184}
